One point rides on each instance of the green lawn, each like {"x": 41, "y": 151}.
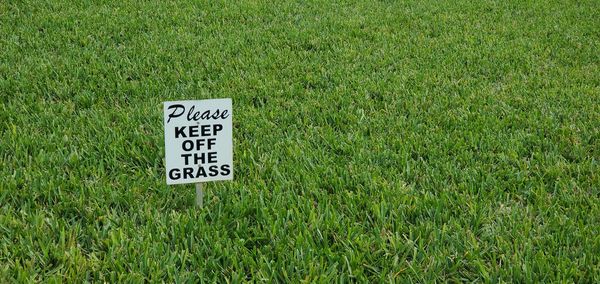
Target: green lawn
{"x": 383, "y": 141}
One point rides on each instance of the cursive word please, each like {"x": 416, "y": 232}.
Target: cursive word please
{"x": 178, "y": 110}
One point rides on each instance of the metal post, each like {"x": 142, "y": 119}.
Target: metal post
{"x": 199, "y": 195}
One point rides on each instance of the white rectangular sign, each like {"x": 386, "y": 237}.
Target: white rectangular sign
{"x": 198, "y": 141}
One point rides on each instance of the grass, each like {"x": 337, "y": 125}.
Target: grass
{"x": 373, "y": 141}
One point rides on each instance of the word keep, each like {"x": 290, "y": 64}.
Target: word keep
{"x": 197, "y": 130}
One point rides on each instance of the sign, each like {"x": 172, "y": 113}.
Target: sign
{"x": 198, "y": 141}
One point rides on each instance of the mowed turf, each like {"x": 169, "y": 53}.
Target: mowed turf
{"x": 373, "y": 141}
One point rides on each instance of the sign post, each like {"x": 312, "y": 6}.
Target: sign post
{"x": 199, "y": 195}
{"x": 198, "y": 142}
